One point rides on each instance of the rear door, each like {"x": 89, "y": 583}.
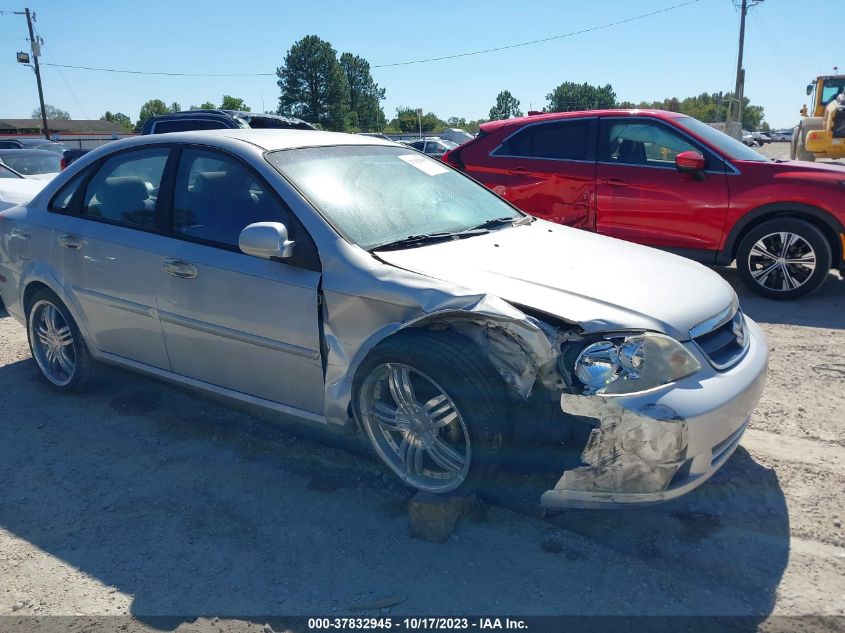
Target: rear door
{"x": 642, "y": 197}
{"x": 546, "y": 169}
{"x": 109, "y": 248}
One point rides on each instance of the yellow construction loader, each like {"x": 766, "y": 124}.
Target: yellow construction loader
{"x": 821, "y": 134}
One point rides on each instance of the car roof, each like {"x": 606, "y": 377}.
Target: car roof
{"x": 265, "y": 139}
{"x": 26, "y": 152}
{"x": 32, "y": 141}
{"x": 554, "y": 116}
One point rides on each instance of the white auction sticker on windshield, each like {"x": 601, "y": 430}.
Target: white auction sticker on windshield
{"x": 426, "y": 165}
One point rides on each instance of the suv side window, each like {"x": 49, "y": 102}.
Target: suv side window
{"x": 125, "y": 189}
{"x": 186, "y": 125}
{"x": 643, "y": 142}
{"x": 561, "y": 140}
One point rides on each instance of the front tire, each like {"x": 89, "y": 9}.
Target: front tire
{"x": 56, "y": 343}
{"x": 434, "y": 410}
{"x": 784, "y": 259}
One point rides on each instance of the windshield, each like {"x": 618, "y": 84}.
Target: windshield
{"x": 720, "y": 141}
{"x": 376, "y": 195}
{"x": 5, "y": 172}
{"x": 28, "y": 164}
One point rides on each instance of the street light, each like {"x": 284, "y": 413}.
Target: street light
{"x": 23, "y": 58}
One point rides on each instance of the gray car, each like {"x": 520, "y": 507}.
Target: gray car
{"x": 349, "y": 281}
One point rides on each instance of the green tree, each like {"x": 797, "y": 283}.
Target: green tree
{"x": 454, "y": 121}
{"x": 313, "y": 84}
{"x": 52, "y": 113}
{"x": 175, "y": 107}
{"x": 205, "y": 106}
{"x": 151, "y": 108}
{"x": 365, "y": 96}
{"x": 507, "y": 106}
{"x": 119, "y": 118}
{"x": 571, "y": 96}
{"x": 407, "y": 121}
{"x": 233, "y": 103}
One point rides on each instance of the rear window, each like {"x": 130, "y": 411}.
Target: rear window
{"x": 561, "y": 140}
{"x": 30, "y": 164}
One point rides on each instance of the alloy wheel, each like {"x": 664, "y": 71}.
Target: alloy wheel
{"x": 415, "y": 427}
{"x": 781, "y": 261}
{"x": 52, "y": 343}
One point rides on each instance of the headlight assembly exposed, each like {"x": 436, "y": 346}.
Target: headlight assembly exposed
{"x": 627, "y": 364}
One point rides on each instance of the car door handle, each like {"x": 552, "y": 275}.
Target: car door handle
{"x": 71, "y": 241}
{"x": 518, "y": 170}
{"x": 616, "y": 182}
{"x": 179, "y": 268}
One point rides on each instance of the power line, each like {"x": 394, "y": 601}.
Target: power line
{"x": 540, "y": 41}
{"x": 168, "y": 74}
{"x": 403, "y": 63}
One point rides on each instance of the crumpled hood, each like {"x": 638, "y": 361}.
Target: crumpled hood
{"x": 602, "y": 284}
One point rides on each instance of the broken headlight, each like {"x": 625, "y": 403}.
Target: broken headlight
{"x": 631, "y": 363}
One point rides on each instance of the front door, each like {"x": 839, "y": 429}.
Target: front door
{"x": 230, "y": 319}
{"x": 641, "y": 195}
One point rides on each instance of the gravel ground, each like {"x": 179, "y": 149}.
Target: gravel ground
{"x": 143, "y": 499}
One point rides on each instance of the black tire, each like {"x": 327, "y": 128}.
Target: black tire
{"x": 465, "y": 376}
{"x": 776, "y": 284}
{"x": 83, "y": 364}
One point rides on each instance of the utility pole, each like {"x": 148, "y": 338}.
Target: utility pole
{"x": 739, "y": 91}
{"x": 36, "y": 52}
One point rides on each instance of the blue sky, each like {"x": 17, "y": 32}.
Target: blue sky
{"x": 682, "y": 52}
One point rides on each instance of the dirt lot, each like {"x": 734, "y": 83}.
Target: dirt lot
{"x": 139, "y": 498}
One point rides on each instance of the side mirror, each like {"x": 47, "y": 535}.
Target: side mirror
{"x": 690, "y": 161}
{"x": 809, "y": 89}
{"x": 267, "y": 240}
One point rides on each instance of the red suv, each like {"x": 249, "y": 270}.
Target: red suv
{"x": 670, "y": 181}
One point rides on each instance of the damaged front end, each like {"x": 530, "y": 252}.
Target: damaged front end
{"x": 630, "y": 455}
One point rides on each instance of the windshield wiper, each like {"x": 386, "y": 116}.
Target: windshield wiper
{"x": 427, "y": 238}
{"x": 414, "y": 240}
{"x": 498, "y": 222}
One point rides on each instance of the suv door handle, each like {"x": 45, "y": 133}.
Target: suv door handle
{"x": 615, "y": 182}
{"x": 179, "y": 268}
{"x": 71, "y": 241}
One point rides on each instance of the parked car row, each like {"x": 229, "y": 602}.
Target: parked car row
{"x": 667, "y": 180}
{"x": 348, "y": 280}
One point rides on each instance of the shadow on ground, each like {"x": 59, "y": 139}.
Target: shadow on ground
{"x": 823, "y": 308}
{"x": 194, "y": 508}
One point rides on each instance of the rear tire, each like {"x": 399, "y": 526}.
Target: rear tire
{"x": 434, "y": 410}
{"x": 784, "y": 259}
{"x": 56, "y": 344}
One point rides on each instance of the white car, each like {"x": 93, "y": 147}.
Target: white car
{"x": 15, "y": 189}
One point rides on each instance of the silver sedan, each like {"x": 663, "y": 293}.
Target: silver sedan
{"x": 350, "y": 281}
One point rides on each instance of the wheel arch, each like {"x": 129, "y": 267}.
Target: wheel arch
{"x": 36, "y": 283}
{"x": 829, "y": 226}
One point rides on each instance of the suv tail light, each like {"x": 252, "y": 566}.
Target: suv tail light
{"x": 63, "y": 163}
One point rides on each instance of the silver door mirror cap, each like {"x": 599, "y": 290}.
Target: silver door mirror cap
{"x": 267, "y": 240}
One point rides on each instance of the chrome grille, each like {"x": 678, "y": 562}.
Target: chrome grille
{"x": 725, "y": 344}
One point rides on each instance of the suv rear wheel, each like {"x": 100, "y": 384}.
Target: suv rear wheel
{"x": 783, "y": 259}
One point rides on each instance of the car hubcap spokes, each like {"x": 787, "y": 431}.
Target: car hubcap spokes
{"x": 782, "y": 261}
{"x": 415, "y": 427}
{"x": 52, "y": 343}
